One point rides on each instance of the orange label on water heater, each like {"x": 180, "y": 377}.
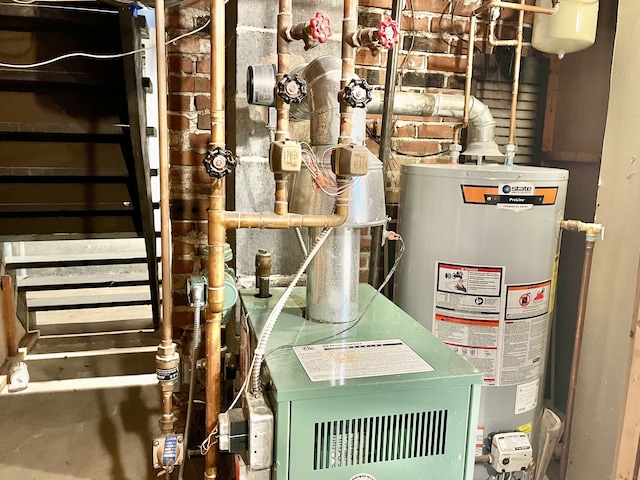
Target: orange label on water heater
{"x": 503, "y": 194}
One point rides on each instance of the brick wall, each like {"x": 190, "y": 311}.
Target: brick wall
{"x": 188, "y": 103}
{"x": 432, "y": 57}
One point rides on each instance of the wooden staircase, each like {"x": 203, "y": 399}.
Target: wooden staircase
{"x": 74, "y": 162}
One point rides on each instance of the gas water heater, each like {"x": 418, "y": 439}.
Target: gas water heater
{"x": 479, "y": 272}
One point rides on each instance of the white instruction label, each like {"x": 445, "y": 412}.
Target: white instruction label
{"x": 468, "y": 305}
{"x": 527, "y": 396}
{"x": 338, "y": 361}
{"x": 525, "y": 332}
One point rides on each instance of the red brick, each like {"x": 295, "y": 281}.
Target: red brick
{"x": 405, "y": 131}
{"x": 203, "y": 65}
{"x": 372, "y": 146}
{"x": 375, "y": 3}
{"x": 183, "y": 248}
{"x": 414, "y": 62}
{"x": 203, "y": 102}
{"x": 190, "y": 157}
{"x": 365, "y": 244}
{"x": 364, "y": 262}
{"x": 444, "y": 25}
{"x": 178, "y": 122}
{"x": 181, "y": 84}
{"x": 365, "y": 57}
{"x": 201, "y": 4}
{"x": 440, "y": 130}
{"x": 415, "y": 147}
{"x": 202, "y": 85}
{"x": 447, "y": 64}
{"x": 183, "y": 228}
{"x": 179, "y": 299}
{"x": 176, "y": 19}
{"x": 182, "y": 266}
{"x": 189, "y": 208}
{"x": 364, "y": 276}
{"x": 436, "y": 6}
{"x": 179, "y": 103}
{"x": 466, "y": 7}
{"x": 416, "y": 24}
{"x": 180, "y": 64}
{"x": 199, "y": 140}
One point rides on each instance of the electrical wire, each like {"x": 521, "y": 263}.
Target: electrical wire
{"x": 360, "y": 316}
{"x": 372, "y": 135}
{"x": 99, "y": 56}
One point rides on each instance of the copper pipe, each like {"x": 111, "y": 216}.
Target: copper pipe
{"x": 495, "y": 42}
{"x": 163, "y": 139}
{"x": 514, "y": 6}
{"x": 166, "y": 358}
{"x": 482, "y": 459}
{"x": 467, "y": 83}
{"x": 516, "y": 77}
{"x": 575, "y": 361}
{"x": 349, "y": 30}
{"x": 216, "y": 234}
{"x": 284, "y": 61}
{"x": 9, "y": 315}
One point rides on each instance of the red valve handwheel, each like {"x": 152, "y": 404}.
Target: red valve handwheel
{"x": 388, "y": 33}
{"x": 320, "y": 27}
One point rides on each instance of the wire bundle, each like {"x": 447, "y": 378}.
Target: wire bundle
{"x": 323, "y": 178}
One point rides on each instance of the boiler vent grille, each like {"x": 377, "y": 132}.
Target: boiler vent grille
{"x": 341, "y": 443}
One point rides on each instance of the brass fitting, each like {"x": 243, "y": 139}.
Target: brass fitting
{"x": 592, "y": 230}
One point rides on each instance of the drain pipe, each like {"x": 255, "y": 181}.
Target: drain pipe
{"x": 167, "y": 359}
{"x": 592, "y": 230}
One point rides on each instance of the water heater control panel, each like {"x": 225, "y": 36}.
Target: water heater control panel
{"x": 511, "y": 452}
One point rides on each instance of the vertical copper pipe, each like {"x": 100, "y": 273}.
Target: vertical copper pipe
{"x": 285, "y": 20}
{"x": 217, "y": 237}
{"x": 9, "y": 314}
{"x": 516, "y": 76}
{"x": 163, "y": 138}
{"x": 575, "y": 361}
{"x": 166, "y": 351}
{"x": 349, "y": 29}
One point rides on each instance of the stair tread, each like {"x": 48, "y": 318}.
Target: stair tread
{"x": 89, "y": 328}
{"x": 85, "y": 343}
{"x": 88, "y": 301}
{"x": 30, "y": 284}
{"x": 68, "y": 260}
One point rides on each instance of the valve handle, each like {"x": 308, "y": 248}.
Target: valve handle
{"x": 321, "y": 27}
{"x": 357, "y": 93}
{"x": 219, "y": 162}
{"x": 292, "y": 88}
{"x": 388, "y": 33}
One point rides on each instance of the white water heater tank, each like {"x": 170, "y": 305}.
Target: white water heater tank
{"x": 570, "y": 29}
{"x": 479, "y": 272}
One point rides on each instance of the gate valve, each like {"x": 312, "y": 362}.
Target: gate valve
{"x": 388, "y": 33}
{"x": 320, "y": 27}
{"x": 219, "y": 162}
{"x": 292, "y": 88}
{"x": 357, "y": 93}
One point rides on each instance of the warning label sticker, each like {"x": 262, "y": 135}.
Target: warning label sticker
{"x": 525, "y": 332}
{"x": 340, "y": 361}
{"x": 527, "y": 397}
{"x": 468, "y": 306}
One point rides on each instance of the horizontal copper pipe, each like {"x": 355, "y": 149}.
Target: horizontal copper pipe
{"x": 515, "y": 6}
{"x": 270, "y": 220}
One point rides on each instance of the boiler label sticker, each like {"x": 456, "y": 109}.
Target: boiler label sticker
{"x": 527, "y": 396}
{"x": 513, "y": 196}
{"x": 339, "y": 361}
{"x": 468, "y": 308}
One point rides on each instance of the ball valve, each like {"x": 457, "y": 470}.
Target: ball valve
{"x": 320, "y": 27}
{"x": 388, "y": 33}
{"x": 292, "y": 88}
{"x": 219, "y": 162}
{"x": 357, "y": 93}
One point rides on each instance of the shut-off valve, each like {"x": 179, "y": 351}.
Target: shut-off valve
{"x": 219, "y": 162}
{"x": 292, "y": 88}
{"x": 357, "y": 93}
